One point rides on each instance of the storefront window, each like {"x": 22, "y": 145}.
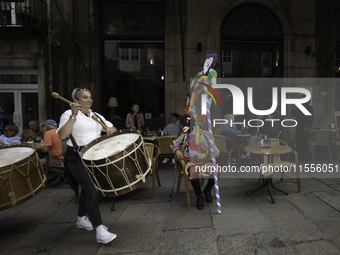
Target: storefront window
{"x": 134, "y": 73}
{"x": 252, "y": 39}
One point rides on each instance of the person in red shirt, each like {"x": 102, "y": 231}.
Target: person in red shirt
{"x": 53, "y": 146}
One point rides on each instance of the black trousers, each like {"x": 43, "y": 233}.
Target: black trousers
{"x": 89, "y": 197}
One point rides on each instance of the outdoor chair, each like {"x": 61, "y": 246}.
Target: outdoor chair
{"x": 295, "y": 164}
{"x": 291, "y": 136}
{"x": 182, "y": 172}
{"x": 226, "y": 147}
{"x": 62, "y": 165}
{"x": 276, "y": 161}
{"x": 164, "y": 148}
{"x": 153, "y": 153}
{"x": 278, "y": 135}
{"x": 336, "y": 138}
{"x": 321, "y": 140}
{"x": 48, "y": 166}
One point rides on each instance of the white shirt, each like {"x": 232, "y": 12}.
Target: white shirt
{"x": 85, "y": 129}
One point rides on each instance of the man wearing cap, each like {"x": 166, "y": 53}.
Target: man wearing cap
{"x": 53, "y": 146}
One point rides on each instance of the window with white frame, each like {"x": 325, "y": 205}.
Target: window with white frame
{"x": 129, "y": 59}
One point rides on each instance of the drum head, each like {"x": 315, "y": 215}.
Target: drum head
{"x": 110, "y": 146}
{"x": 12, "y": 155}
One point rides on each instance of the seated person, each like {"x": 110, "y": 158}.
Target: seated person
{"x": 174, "y": 128}
{"x": 227, "y": 128}
{"x": 32, "y": 133}
{"x": 52, "y": 144}
{"x": 269, "y": 131}
{"x": 135, "y": 119}
{"x": 196, "y": 151}
{"x": 10, "y": 135}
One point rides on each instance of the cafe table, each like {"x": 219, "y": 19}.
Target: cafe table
{"x": 153, "y": 138}
{"x": 268, "y": 153}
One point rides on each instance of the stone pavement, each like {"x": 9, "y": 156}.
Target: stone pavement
{"x": 300, "y": 223}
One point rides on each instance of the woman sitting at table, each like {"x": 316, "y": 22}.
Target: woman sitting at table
{"x": 10, "y": 135}
{"x": 135, "y": 119}
{"x": 269, "y": 130}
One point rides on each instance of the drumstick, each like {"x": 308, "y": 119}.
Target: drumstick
{"x": 96, "y": 119}
{"x": 57, "y": 96}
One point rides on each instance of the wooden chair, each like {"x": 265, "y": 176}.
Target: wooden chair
{"x": 182, "y": 172}
{"x": 152, "y": 151}
{"x": 225, "y": 145}
{"x": 278, "y": 135}
{"x": 277, "y": 162}
{"x": 48, "y": 166}
{"x": 321, "y": 140}
{"x": 58, "y": 157}
{"x": 164, "y": 148}
{"x": 291, "y": 136}
{"x": 336, "y": 138}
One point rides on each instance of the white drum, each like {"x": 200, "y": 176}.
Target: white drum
{"x": 21, "y": 175}
{"x": 118, "y": 163}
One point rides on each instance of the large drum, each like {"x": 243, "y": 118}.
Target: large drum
{"x": 21, "y": 175}
{"x": 118, "y": 163}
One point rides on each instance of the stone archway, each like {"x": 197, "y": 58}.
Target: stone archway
{"x": 252, "y": 47}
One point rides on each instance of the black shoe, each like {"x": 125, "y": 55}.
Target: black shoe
{"x": 207, "y": 195}
{"x": 200, "y": 204}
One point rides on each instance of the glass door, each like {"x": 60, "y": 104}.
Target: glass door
{"x": 19, "y": 97}
{"x": 19, "y": 107}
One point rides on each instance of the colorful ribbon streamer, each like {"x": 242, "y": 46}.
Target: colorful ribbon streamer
{"x": 217, "y": 189}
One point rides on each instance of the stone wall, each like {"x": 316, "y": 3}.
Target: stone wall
{"x": 19, "y": 52}
{"x": 305, "y": 23}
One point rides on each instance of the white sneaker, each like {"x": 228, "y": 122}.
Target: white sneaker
{"x": 165, "y": 160}
{"x": 83, "y": 222}
{"x": 104, "y": 236}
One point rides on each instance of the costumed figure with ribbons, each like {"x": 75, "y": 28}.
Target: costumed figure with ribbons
{"x": 198, "y": 147}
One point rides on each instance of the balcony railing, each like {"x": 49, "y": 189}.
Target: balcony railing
{"x": 19, "y": 13}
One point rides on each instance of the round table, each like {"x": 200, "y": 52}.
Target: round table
{"x": 269, "y": 152}
{"x": 272, "y": 150}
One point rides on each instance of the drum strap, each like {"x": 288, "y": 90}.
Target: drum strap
{"x": 75, "y": 145}
{"x": 99, "y": 118}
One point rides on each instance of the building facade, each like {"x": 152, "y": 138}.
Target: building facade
{"x": 146, "y": 52}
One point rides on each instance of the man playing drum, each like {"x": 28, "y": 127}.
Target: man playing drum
{"x": 78, "y": 123}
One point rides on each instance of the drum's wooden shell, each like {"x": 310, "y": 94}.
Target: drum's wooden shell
{"x": 97, "y": 167}
{"x": 21, "y": 180}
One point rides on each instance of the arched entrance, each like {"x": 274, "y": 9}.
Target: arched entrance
{"x": 252, "y": 47}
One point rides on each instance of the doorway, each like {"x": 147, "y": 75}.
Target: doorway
{"x": 19, "y": 97}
